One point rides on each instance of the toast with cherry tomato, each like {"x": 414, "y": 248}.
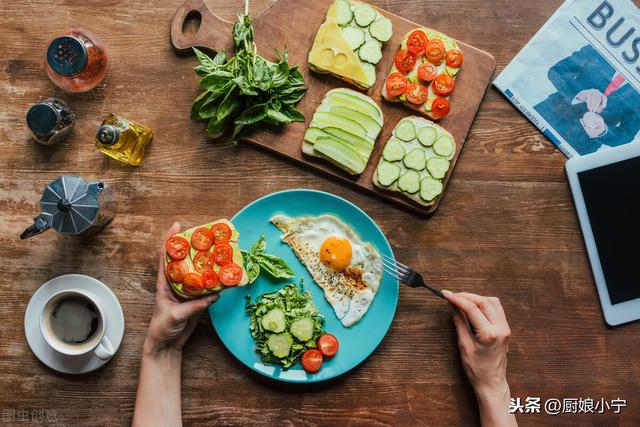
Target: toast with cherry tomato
{"x": 204, "y": 260}
{"x": 423, "y": 74}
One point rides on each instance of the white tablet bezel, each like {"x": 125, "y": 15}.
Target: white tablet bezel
{"x": 622, "y": 312}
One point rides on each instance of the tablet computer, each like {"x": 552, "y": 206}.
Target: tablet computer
{"x": 606, "y": 191}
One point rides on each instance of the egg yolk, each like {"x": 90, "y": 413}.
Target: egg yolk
{"x": 336, "y": 253}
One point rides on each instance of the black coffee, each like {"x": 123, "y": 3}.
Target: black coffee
{"x": 74, "y": 320}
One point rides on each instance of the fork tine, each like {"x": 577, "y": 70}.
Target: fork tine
{"x": 388, "y": 258}
{"x": 395, "y": 265}
{"x": 393, "y": 272}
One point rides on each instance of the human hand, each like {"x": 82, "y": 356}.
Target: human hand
{"x": 596, "y": 100}
{"x": 483, "y": 339}
{"x": 173, "y": 321}
{"x": 593, "y": 124}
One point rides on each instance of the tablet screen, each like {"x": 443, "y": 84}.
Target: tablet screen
{"x": 612, "y": 197}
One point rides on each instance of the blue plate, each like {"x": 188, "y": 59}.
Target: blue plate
{"x": 357, "y": 342}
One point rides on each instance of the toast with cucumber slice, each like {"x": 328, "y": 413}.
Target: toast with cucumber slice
{"x": 415, "y": 160}
{"x": 349, "y": 42}
{"x": 204, "y": 260}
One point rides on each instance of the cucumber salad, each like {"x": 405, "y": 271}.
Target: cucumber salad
{"x": 287, "y": 328}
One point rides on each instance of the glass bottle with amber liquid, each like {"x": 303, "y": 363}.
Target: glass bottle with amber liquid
{"x": 123, "y": 139}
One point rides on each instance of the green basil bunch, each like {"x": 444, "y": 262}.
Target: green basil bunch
{"x": 257, "y": 260}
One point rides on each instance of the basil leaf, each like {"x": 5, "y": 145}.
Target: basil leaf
{"x": 278, "y": 116}
{"x": 259, "y": 246}
{"x": 292, "y": 114}
{"x": 253, "y": 270}
{"x": 275, "y": 266}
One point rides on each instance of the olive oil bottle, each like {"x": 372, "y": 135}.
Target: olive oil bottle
{"x": 123, "y": 139}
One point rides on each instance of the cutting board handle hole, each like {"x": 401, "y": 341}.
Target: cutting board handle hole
{"x": 191, "y": 23}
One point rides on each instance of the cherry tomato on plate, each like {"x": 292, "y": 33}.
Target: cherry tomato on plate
{"x": 328, "y": 345}
{"x": 396, "y": 84}
{"x": 416, "y": 94}
{"x": 221, "y": 233}
{"x": 405, "y": 60}
{"x": 312, "y": 360}
{"x": 192, "y": 284}
{"x": 454, "y": 58}
{"x": 177, "y": 247}
{"x": 440, "y": 107}
{"x": 210, "y": 279}
{"x": 176, "y": 270}
{"x": 444, "y": 84}
{"x": 417, "y": 42}
{"x": 203, "y": 261}
{"x": 435, "y": 51}
{"x": 427, "y": 72}
{"x": 222, "y": 253}
{"x": 202, "y": 239}
{"x": 230, "y": 274}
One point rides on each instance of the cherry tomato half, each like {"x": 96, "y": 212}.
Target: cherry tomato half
{"x": 210, "y": 279}
{"x": 435, "y": 51}
{"x": 177, "y": 247}
{"x": 454, "y": 58}
{"x": 203, "y": 261}
{"x": 416, "y": 94}
{"x": 230, "y": 274}
{"x": 222, "y": 253}
{"x": 312, "y": 360}
{"x": 440, "y": 107}
{"x": 176, "y": 270}
{"x": 328, "y": 345}
{"x": 202, "y": 239}
{"x": 427, "y": 72}
{"x": 221, "y": 233}
{"x": 396, "y": 84}
{"x": 417, "y": 42}
{"x": 444, "y": 84}
{"x": 192, "y": 284}
{"x": 405, "y": 60}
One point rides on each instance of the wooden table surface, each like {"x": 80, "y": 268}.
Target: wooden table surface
{"x": 506, "y": 227}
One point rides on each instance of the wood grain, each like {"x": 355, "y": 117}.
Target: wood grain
{"x": 506, "y": 227}
{"x": 273, "y": 30}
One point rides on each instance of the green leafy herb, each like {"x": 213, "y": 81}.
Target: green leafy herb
{"x": 256, "y": 260}
{"x": 246, "y": 89}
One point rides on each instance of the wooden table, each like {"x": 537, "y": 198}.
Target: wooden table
{"x": 506, "y": 227}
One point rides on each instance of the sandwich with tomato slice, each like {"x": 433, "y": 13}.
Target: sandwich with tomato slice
{"x": 204, "y": 260}
{"x": 424, "y": 71}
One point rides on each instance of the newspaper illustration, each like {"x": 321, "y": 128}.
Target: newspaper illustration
{"x": 578, "y": 78}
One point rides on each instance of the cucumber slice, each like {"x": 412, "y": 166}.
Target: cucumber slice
{"x": 430, "y": 188}
{"x": 370, "y": 71}
{"x": 415, "y": 159}
{"x": 405, "y": 130}
{"x": 409, "y": 182}
{"x": 302, "y": 329}
{"x": 387, "y": 173}
{"x": 356, "y": 101}
{"x": 427, "y": 135}
{"x": 364, "y": 14}
{"x": 444, "y": 146}
{"x": 381, "y": 29}
{"x": 340, "y": 153}
{"x": 370, "y": 52}
{"x": 438, "y": 167}
{"x": 343, "y": 8}
{"x": 354, "y": 37}
{"x": 362, "y": 145}
{"x": 274, "y": 320}
{"x": 394, "y": 150}
{"x": 323, "y": 119}
{"x": 312, "y": 133}
{"x": 370, "y": 124}
{"x": 280, "y": 344}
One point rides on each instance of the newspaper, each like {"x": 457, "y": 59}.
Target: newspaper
{"x": 578, "y": 78}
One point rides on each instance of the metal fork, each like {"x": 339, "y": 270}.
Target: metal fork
{"x": 405, "y": 274}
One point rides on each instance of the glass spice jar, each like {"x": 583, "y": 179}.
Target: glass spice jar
{"x": 50, "y": 121}
{"x": 122, "y": 139}
{"x": 76, "y": 61}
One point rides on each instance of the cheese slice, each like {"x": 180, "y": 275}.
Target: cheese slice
{"x": 331, "y": 52}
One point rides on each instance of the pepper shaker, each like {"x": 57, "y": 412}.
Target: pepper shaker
{"x": 50, "y": 121}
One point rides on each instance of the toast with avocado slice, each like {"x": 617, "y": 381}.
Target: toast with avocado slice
{"x": 204, "y": 260}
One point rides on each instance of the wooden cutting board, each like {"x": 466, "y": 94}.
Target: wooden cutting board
{"x": 293, "y": 23}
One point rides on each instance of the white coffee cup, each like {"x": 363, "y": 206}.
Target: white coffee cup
{"x": 97, "y": 342}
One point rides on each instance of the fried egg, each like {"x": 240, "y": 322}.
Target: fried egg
{"x": 339, "y": 261}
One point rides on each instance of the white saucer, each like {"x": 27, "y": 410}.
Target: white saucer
{"x": 58, "y": 361}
